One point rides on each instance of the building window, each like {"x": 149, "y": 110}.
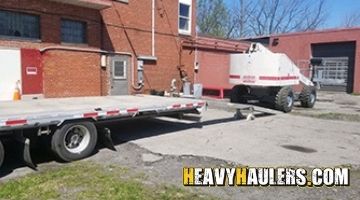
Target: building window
{"x": 185, "y": 17}
{"x": 73, "y": 31}
{"x": 15, "y": 24}
{"x": 119, "y": 69}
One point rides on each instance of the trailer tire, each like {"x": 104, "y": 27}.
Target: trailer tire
{"x": 2, "y": 154}
{"x": 237, "y": 94}
{"x": 308, "y": 97}
{"x": 284, "y": 100}
{"x": 74, "y": 141}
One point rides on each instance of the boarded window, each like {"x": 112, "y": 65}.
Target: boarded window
{"x": 15, "y": 24}
{"x": 73, "y": 31}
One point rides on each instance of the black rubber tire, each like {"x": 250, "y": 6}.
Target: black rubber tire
{"x": 237, "y": 94}
{"x": 308, "y": 97}
{"x": 58, "y": 145}
{"x": 281, "y": 100}
{"x": 2, "y": 154}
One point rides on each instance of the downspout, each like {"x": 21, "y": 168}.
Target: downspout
{"x": 153, "y": 29}
{"x": 196, "y": 64}
{"x": 136, "y": 58}
{"x": 134, "y": 54}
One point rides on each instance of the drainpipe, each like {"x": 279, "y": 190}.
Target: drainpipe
{"x": 196, "y": 64}
{"x": 153, "y": 29}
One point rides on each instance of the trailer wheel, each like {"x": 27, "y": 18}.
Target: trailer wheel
{"x": 284, "y": 100}
{"x": 237, "y": 94}
{"x": 74, "y": 141}
{"x": 308, "y": 97}
{"x": 2, "y": 153}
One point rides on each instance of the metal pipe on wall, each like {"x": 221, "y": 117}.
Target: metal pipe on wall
{"x": 153, "y": 29}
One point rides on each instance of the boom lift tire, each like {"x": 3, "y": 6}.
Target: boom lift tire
{"x": 2, "y": 153}
{"x": 284, "y": 100}
{"x": 237, "y": 94}
{"x": 308, "y": 97}
{"x": 74, "y": 141}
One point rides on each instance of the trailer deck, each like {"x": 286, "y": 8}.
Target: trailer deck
{"x": 55, "y": 111}
{"x": 70, "y": 122}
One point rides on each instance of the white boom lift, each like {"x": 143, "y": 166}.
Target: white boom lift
{"x": 259, "y": 74}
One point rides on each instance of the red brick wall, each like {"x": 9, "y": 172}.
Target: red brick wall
{"x": 66, "y": 73}
{"x": 298, "y": 46}
{"x": 50, "y": 18}
{"x": 214, "y": 69}
{"x": 74, "y": 73}
{"x": 71, "y": 76}
{"x": 136, "y": 17}
{"x": 214, "y": 60}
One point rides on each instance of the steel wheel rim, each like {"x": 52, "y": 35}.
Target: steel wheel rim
{"x": 289, "y": 101}
{"x": 77, "y": 139}
{"x": 312, "y": 98}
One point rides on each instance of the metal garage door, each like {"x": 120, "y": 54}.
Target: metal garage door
{"x": 336, "y": 72}
{"x": 333, "y": 72}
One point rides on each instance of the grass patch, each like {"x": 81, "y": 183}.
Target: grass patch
{"x": 331, "y": 116}
{"x": 86, "y": 180}
{"x": 355, "y": 94}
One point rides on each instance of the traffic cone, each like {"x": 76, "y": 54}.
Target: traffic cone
{"x": 17, "y": 92}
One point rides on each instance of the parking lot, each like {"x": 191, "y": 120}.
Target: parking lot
{"x": 161, "y": 147}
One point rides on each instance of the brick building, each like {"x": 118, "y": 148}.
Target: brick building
{"x": 213, "y": 58}
{"x": 337, "y": 49}
{"x": 337, "y": 66}
{"x": 60, "y": 48}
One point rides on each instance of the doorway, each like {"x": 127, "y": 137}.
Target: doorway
{"x": 332, "y": 73}
{"x": 119, "y": 84}
{"x": 338, "y": 65}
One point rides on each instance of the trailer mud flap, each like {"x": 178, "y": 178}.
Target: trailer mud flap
{"x": 26, "y": 150}
{"x": 105, "y": 138}
{"x": 26, "y": 154}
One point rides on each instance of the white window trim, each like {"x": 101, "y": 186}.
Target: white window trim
{"x": 189, "y": 3}
{"x": 125, "y": 70}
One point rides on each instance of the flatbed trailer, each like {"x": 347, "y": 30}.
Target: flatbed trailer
{"x": 72, "y": 124}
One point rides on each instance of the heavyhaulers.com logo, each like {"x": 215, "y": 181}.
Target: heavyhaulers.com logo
{"x": 266, "y": 177}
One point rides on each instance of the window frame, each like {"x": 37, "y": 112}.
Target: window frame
{"x": 124, "y": 77}
{"x": 189, "y": 18}
{"x": 123, "y": 1}
{"x": 85, "y": 42}
{"x": 37, "y": 16}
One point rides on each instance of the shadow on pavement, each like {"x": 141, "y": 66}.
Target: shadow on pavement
{"x": 14, "y": 160}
